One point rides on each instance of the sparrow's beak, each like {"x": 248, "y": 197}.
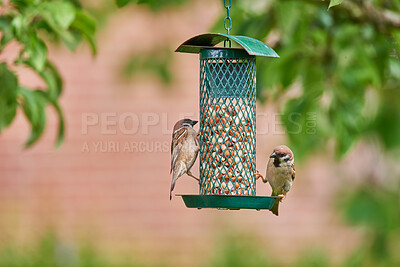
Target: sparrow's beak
{"x": 273, "y": 155}
{"x": 194, "y": 123}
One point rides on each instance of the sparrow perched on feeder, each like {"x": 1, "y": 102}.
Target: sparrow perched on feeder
{"x": 184, "y": 150}
{"x": 280, "y": 173}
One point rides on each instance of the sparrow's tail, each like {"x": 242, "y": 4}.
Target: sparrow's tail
{"x": 176, "y": 174}
{"x": 178, "y": 171}
{"x": 275, "y": 207}
{"x": 172, "y": 186}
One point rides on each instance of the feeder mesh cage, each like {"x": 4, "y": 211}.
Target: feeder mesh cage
{"x": 227, "y": 122}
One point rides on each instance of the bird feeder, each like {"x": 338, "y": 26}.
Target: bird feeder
{"x": 227, "y": 121}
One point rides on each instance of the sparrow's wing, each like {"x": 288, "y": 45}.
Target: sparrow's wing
{"x": 293, "y": 172}
{"x": 178, "y": 138}
{"x": 267, "y": 169}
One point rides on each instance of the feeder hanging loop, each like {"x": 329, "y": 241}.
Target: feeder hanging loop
{"x": 227, "y": 21}
{"x": 227, "y": 42}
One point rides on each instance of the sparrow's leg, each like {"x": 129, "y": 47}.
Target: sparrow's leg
{"x": 258, "y": 176}
{"x": 191, "y": 175}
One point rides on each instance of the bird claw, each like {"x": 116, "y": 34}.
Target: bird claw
{"x": 281, "y": 197}
{"x": 258, "y": 175}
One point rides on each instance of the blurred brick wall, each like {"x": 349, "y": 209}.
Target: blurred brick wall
{"x": 119, "y": 198}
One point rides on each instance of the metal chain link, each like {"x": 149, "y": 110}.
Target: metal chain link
{"x": 229, "y": 20}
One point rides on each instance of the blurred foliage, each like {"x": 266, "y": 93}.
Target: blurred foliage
{"x": 154, "y": 5}
{"x": 371, "y": 208}
{"x": 338, "y": 66}
{"x": 339, "y": 72}
{"x": 239, "y": 250}
{"x": 376, "y": 210}
{"x": 154, "y": 62}
{"x": 335, "y": 3}
{"x": 337, "y": 78}
{"x": 244, "y": 249}
{"x": 157, "y": 62}
{"x": 49, "y": 251}
{"x": 27, "y": 22}
{"x": 313, "y": 258}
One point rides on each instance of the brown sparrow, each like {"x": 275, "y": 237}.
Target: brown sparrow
{"x": 184, "y": 150}
{"x": 280, "y": 173}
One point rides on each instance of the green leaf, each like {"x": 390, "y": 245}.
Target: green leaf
{"x": 22, "y": 5}
{"x": 122, "y": 3}
{"x": 36, "y": 51}
{"x": 34, "y": 106}
{"x": 387, "y": 123}
{"x": 8, "y": 96}
{"x": 61, "y": 124}
{"x": 19, "y": 25}
{"x": 86, "y": 25}
{"x": 71, "y": 39}
{"x": 59, "y": 15}
{"x": 334, "y": 3}
{"x": 344, "y": 140}
{"x": 6, "y": 30}
{"x": 51, "y": 77}
{"x": 154, "y": 5}
{"x": 289, "y": 65}
{"x": 53, "y": 80}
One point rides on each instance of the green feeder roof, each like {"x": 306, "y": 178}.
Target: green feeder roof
{"x": 252, "y": 46}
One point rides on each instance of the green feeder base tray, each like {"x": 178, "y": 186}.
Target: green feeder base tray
{"x": 229, "y": 202}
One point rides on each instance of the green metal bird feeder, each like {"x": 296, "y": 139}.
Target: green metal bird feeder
{"x": 227, "y": 121}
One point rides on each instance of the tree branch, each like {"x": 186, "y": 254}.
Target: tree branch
{"x": 383, "y": 16}
{"x": 364, "y": 11}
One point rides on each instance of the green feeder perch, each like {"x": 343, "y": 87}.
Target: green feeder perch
{"x": 227, "y": 121}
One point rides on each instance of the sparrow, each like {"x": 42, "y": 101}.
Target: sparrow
{"x": 184, "y": 150}
{"x": 280, "y": 174}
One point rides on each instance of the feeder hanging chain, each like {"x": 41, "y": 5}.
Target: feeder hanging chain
{"x": 227, "y": 42}
{"x": 227, "y": 19}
